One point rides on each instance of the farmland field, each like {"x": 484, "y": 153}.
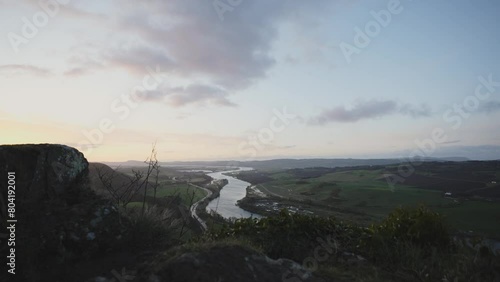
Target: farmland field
{"x": 182, "y": 190}
{"x": 473, "y": 206}
{"x": 173, "y": 183}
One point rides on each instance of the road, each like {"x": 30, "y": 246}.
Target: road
{"x": 195, "y": 206}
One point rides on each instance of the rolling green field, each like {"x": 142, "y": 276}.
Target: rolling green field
{"x": 182, "y": 190}
{"x": 171, "y": 183}
{"x": 359, "y": 189}
{"x": 366, "y": 190}
{"x": 168, "y": 175}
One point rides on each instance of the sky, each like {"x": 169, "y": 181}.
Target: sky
{"x": 252, "y": 79}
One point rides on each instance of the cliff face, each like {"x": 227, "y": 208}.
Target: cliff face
{"x": 54, "y": 208}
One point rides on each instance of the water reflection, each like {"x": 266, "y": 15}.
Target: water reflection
{"x": 235, "y": 190}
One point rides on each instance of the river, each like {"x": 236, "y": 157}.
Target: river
{"x": 235, "y": 190}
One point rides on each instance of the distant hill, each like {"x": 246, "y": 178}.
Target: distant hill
{"x": 130, "y": 163}
{"x": 119, "y": 179}
{"x": 289, "y": 163}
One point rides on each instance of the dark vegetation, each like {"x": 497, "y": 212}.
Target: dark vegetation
{"x": 411, "y": 244}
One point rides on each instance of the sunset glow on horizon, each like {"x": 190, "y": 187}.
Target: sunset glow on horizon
{"x": 257, "y": 80}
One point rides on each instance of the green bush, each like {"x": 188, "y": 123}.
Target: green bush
{"x": 411, "y": 244}
{"x": 291, "y": 236}
{"x": 419, "y": 226}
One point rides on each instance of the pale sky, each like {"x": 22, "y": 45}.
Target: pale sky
{"x": 252, "y": 79}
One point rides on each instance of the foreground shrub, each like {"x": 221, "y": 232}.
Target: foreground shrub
{"x": 411, "y": 244}
{"x": 291, "y": 236}
{"x": 420, "y": 226}
{"x": 414, "y": 244}
{"x": 405, "y": 231}
{"x": 156, "y": 227}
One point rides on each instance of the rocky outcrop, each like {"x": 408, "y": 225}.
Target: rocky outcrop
{"x": 226, "y": 263}
{"x": 44, "y": 171}
{"x": 59, "y": 218}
